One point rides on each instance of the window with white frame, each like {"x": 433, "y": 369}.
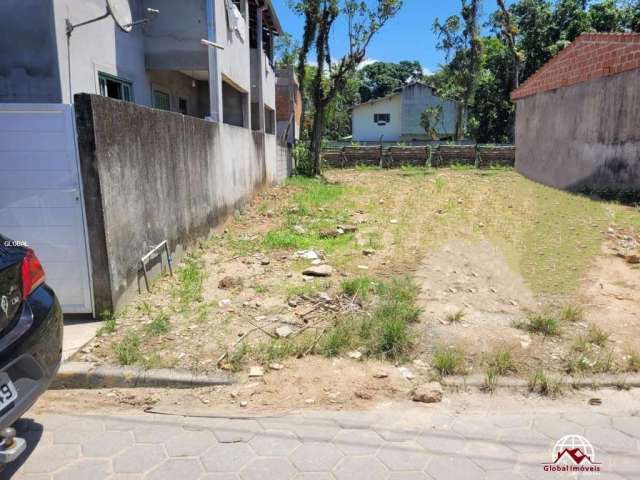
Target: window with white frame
{"x": 114, "y": 87}
{"x": 381, "y": 118}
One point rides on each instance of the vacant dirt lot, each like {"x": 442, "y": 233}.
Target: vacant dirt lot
{"x": 451, "y": 271}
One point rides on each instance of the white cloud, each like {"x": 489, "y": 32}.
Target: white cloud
{"x": 426, "y": 71}
{"x": 366, "y": 62}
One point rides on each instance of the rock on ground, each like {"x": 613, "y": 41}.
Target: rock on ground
{"x": 319, "y": 271}
{"x": 429, "y": 393}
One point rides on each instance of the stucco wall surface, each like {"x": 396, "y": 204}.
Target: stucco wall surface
{"x": 583, "y": 137}
{"x": 151, "y": 175}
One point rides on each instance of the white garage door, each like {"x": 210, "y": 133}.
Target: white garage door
{"x": 41, "y": 196}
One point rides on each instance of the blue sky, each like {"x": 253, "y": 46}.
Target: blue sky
{"x": 408, "y": 36}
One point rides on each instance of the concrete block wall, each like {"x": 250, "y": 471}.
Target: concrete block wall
{"x": 150, "y": 176}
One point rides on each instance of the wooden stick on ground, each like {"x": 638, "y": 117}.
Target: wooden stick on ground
{"x": 226, "y": 354}
{"x": 313, "y": 345}
{"x": 262, "y": 329}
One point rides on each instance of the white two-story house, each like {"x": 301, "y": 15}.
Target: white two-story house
{"x": 45, "y": 57}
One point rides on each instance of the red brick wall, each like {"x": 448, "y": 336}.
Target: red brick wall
{"x": 589, "y": 56}
{"x": 282, "y": 102}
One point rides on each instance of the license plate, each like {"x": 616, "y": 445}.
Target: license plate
{"x": 8, "y": 392}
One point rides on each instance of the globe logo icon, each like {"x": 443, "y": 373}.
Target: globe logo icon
{"x": 573, "y": 450}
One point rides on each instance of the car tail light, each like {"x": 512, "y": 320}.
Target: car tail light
{"x": 32, "y": 273}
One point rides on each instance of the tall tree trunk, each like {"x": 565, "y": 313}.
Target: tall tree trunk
{"x": 460, "y": 121}
{"x": 316, "y": 140}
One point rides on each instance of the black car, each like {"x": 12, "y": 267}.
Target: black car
{"x": 30, "y": 339}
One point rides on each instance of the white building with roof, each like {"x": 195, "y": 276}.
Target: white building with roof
{"x": 396, "y": 117}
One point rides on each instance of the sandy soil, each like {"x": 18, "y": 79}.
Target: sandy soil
{"x": 261, "y": 400}
{"x": 462, "y": 271}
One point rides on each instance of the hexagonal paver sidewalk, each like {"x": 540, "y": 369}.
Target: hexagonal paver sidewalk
{"x": 412, "y": 443}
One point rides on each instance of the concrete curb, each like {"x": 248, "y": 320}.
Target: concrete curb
{"x": 89, "y": 375}
{"x": 594, "y": 381}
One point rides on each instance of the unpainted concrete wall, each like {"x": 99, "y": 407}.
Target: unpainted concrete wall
{"x": 234, "y": 59}
{"x": 584, "y": 137}
{"x": 172, "y": 38}
{"x": 151, "y": 175}
{"x": 268, "y": 79}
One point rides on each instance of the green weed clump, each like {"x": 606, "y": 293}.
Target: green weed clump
{"x": 388, "y": 332}
{"x": 540, "y": 382}
{"x": 385, "y": 332}
{"x": 109, "y": 323}
{"x": 190, "y": 278}
{"x": 571, "y": 313}
{"x": 502, "y": 362}
{"x": 127, "y": 350}
{"x": 159, "y": 325}
{"x": 448, "y": 361}
{"x": 539, "y": 323}
{"x": 633, "y": 361}
{"x": 359, "y": 287}
{"x": 456, "y": 317}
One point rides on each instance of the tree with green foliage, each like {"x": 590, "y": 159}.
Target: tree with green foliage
{"x": 463, "y": 39}
{"x": 379, "y": 79}
{"x": 286, "y": 50}
{"x": 524, "y": 37}
{"x": 509, "y": 32}
{"x": 363, "y": 22}
{"x": 431, "y": 119}
{"x": 492, "y": 113}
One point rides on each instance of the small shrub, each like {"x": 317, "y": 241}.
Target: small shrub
{"x": 159, "y": 325}
{"x": 502, "y": 363}
{"x": 283, "y": 239}
{"x": 190, "y": 278}
{"x": 490, "y": 380}
{"x": 579, "y": 364}
{"x": 591, "y": 362}
{"x": 394, "y": 338}
{"x": 145, "y": 309}
{"x": 154, "y": 360}
{"x": 259, "y": 288}
{"x": 571, "y": 313}
{"x": 375, "y": 241}
{"x": 456, "y": 317}
{"x": 303, "y": 159}
{"x": 338, "y": 340}
{"x": 109, "y": 325}
{"x": 448, "y": 361}
{"x": 541, "y": 324}
{"x": 236, "y": 358}
{"x": 127, "y": 350}
{"x": 633, "y": 361}
{"x": 273, "y": 350}
{"x": 581, "y": 345}
{"x": 541, "y": 383}
{"x": 440, "y": 183}
{"x": 202, "y": 311}
{"x": 387, "y": 332}
{"x": 359, "y": 287}
{"x": 307, "y": 289}
{"x": 597, "y": 336}
{"x": 399, "y": 290}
